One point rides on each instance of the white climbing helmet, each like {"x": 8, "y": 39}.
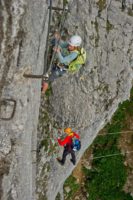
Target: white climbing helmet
{"x": 75, "y": 40}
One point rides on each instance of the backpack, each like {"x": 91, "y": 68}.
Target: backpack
{"x": 75, "y": 65}
{"x": 76, "y": 144}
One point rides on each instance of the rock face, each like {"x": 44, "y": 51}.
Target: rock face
{"x": 22, "y": 46}
{"x": 85, "y": 101}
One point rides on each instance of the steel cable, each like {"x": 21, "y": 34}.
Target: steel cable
{"x": 61, "y": 26}
{"x": 111, "y": 155}
{"x": 115, "y": 133}
{"x": 47, "y": 40}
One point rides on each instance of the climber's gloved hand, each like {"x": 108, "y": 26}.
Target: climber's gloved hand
{"x": 57, "y": 49}
{"x": 57, "y": 35}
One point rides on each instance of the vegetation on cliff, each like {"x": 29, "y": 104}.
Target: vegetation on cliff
{"x": 108, "y": 174}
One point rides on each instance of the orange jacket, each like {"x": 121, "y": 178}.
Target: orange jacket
{"x": 68, "y": 139}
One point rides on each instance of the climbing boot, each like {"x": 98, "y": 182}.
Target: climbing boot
{"x": 60, "y": 161}
{"x": 72, "y": 162}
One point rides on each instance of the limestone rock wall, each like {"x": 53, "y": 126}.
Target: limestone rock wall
{"x": 23, "y": 31}
{"x": 87, "y": 100}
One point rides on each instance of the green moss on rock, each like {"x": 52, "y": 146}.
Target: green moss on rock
{"x": 101, "y": 4}
{"x": 130, "y": 12}
{"x": 109, "y": 26}
{"x": 45, "y": 143}
{"x": 70, "y": 183}
{"x": 58, "y": 197}
{"x": 97, "y": 31}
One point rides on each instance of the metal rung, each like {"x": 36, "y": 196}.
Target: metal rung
{"x": 5, "y": 101}
{"x": 33, "y": 76}
{"x": 56, "y": 8}
{"x": 42, "y": 76}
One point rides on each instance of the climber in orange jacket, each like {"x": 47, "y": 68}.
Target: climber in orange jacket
{"x": 68, "y": 146}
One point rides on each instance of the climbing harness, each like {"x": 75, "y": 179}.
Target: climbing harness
{"x": 5, "y": 102}
{"x": 65, "y": 10}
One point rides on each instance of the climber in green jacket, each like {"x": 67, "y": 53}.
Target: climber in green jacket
{"x": 70, "y": 57}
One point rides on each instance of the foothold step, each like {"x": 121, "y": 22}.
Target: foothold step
{"x": 6, "y": 105}
{"x": 56, "y": 8}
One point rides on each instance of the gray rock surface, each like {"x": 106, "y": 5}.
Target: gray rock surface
{"x": 22, "y": 45}
{"x": 85, "y": 101}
